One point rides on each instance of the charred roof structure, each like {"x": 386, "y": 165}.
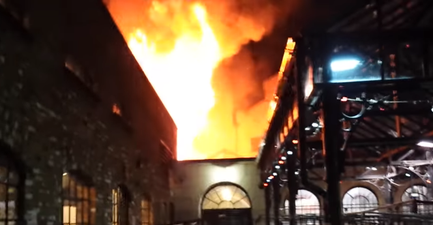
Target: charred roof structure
{"x": 357, "y": 95}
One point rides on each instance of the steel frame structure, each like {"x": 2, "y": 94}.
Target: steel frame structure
{"x": 382, "y": 112}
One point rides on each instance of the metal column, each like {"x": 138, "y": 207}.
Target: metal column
{"x": 276, "y": 193}
{"x": 267, "y": 205}
{"x": 331, "y": 129}
{"x": 292, "y": 186}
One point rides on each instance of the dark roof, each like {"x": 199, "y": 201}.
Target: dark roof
{"x": 390, "y": 14}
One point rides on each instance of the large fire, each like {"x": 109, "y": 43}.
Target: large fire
{"x": 178, "y": 48}
{"x": 185, "y": 89}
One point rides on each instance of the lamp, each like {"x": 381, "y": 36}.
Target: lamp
{"x": 344, "y": 64}
{"x": 425, "y": 144}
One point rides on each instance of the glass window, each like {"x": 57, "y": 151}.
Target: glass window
{"x": 120, "y": 206}
{"x": 306, "y": 203}
{"x": 226, "y": 197}
{"x": 359, "y": 199}
{"x": 115, "y": 198}
{"x": 146, "y": 212}
{"x": 79, "y": 201}
{"x": 419, "y": 193}
{"x": 8, "y": 194}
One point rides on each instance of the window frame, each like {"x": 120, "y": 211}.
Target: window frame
{"x": 303, "y": 196}
{"x": 120, "y": 200}
{"x": 71, "y": 199}
{"x": 146, "y": 211}
{"x": 354, "y": 194}
{"x": 10, "y": 168}
{"x": 237, "y": 197}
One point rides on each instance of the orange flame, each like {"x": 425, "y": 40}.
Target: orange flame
{"x": 191, "y": 61}
{"x": 178, "y": 47}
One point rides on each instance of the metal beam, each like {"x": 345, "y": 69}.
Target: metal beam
{"x": 331, "y": 130}
{"x": 368, "y": 86}
{"x": 387, "y": 36}
{"x": 390, "y": 141}
{"x": 321, "y": 164}
{"x": 402, "y": 111}
{"x": 400, "y": 149}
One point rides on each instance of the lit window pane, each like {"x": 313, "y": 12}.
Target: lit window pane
{"x": 359, "y": 199}
{"x": 306, "y": 203}
{"x": 78, "y": 201}
{"x": 69, "y": 214}
{"x": 86, "y": 212}
{"x": 419, "y": 193}
{"x": 225, "y": 197}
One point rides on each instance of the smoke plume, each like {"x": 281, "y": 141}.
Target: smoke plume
{"x": 235, "y": 24}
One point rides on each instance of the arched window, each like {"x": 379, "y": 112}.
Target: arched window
{"x": 419, "y": 193}
{"x": 146, "y": 212}
{"x": 306, "y": 203}
{"x": 9, "y": 180}
{"x": 79, "y": 200}
{"x": 226, "y": 196}
{"x": 120, "y": 206}
{"x": 359, "y": 199}
{"x": 416, "y": 192}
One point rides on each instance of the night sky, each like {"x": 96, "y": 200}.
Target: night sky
{"x": 267, "y": 53}
{"x": 312, "y": 15}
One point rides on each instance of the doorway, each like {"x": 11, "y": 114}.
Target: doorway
{"x": 226, "y": 204}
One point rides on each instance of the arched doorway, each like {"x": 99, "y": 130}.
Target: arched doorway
{"x": 418, "y": 193}
{"x": 307, "y": 203}
{"x": 359, "y": 199}
{"x": 226, "y": 204}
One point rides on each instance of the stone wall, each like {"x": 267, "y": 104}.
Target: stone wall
{"x": 53, "y": 123}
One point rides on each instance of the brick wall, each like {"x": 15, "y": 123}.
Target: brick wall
{"x": 53, "y": 123}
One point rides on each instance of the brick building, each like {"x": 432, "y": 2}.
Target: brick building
{"x": 84, "y": 138}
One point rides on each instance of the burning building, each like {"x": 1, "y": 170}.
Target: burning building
{"x": 181, "y": 46}
{"x": 349, "y": 139}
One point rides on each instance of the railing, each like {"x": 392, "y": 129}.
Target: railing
{"x": 405, "y": 213}
{"x": 407, "y": 207}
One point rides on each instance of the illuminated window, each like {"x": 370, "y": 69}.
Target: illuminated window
{"x": 115, "y": 198}
{"x": 120, "y": 205}
{"x": 306, "y": 203}
{"x": 146, "y": 212}
{"x": 359, "y": 199}
{"x": 78, "y": 201}
{"x": 8, "y": 193}
{"x": 226, "y": 196}
{"x": 419, "y": 193}
{"x": 416, "y": 192}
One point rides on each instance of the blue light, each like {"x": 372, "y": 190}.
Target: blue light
{"x": 344, "y": 64}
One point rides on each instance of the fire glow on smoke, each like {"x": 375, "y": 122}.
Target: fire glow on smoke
{"x": 179, "y": 44}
